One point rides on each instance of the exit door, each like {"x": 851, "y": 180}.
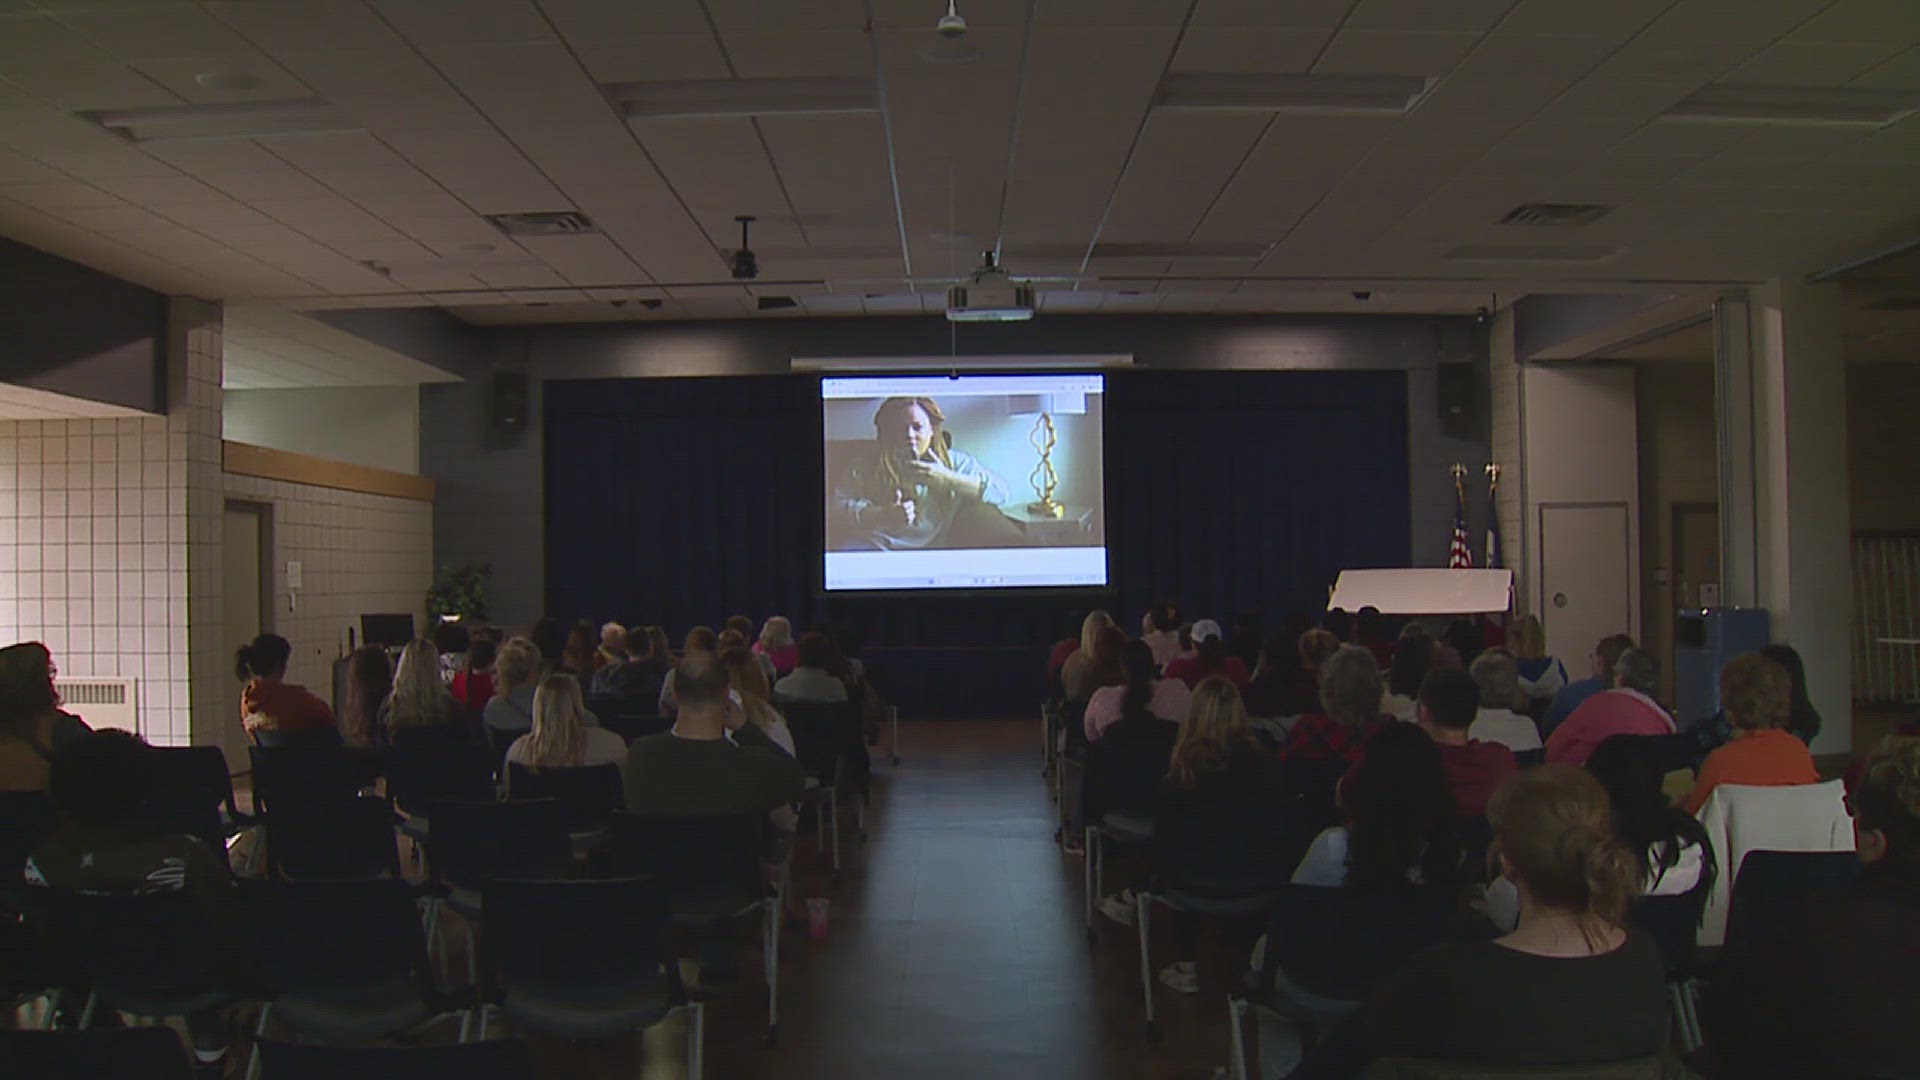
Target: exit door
{"x": 1586, "y": 584}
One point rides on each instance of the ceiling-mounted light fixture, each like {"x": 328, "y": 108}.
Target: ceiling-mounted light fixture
{"x": 745, "y": 265}
{"x": 951, "y": 46}
{"x": 235, "y": 120}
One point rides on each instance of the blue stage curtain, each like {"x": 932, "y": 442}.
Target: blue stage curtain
{"x": 683, "y": 501}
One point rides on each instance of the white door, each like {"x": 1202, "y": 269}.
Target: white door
{"x": 243, "y": 608}
{"x": 1586, "y": 587}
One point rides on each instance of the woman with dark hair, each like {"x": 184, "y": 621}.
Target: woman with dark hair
{"x": 1803, "y": 720}
{"x": 549, "y": 638}
{"x": 1275, "y": 690}
{"x": 1210, "y": 657}
{"x": 910, "y": 488}
{"x": 577, "y": 656}
{"x": 1412, "y": 659}
{"x": 32, "y": 727}
{"x": 269, "y": 702}
{"x": 369, "y": 681}
{"x": 473, "y": 683}
{"x": 1144, "y": 697}
{"x": 1465, "y": 639}
{"x": 1161, "y": 631}
{"x": 1400, "y": 820}
{"x": 452, "y": 639}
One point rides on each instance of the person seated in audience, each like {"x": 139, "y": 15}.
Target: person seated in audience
{"x": 451, "y": 640}
{"x": 1317, "y": 646}
{"x": 516, "y": 674}
{"x": 1339, "y": 623}
{"x": 1073, "y": 669}
{"x": 582, "y": 651}
{"x": 776, "y": 644}
{"x": 473, "y": 685}
{"x": 1499, "y": 680}
{"x": 562, "y": 735}
{"x": 1068, "y": 644}
{"x": 549, "y": 641}
{"x": 1412, "y": 658}
{"x": 742, "y": 626}
{"x": 32, "y": 726}
{"x": 1757, "y": 695}
{"x": 1831, "y": 990}
{"x": 1449, "y": 702}
{"x": 102, "y": 784}
{"x": 1626, "y": 709}
{"x": 419, "y": 698}
{"x": 1399, "y": 820}
{"x": 1803, "y": 720}
{"x": 1541, "y": 674}
{"x": 268, "y": 701}
{"x": 712, "y": 761}
{"x": 1604, "y": 656}
{"x": 640, "y": 674}
{"x": 1276, "y": 689}
{"x": 1100, "y": 666}
{"x": 1210, "y": 657}
{"x": 750, "y": 696}
{"x": 613, "y": 645}
{"x": 1571, "y": 985}
{"x": 1372, "y": 634}
{"x": 1466, "y": 640}
{"x": 1144, "y": 694}
{"x": 369, "y": 681}
{"x": 1221, "y": 786}
{"x": 1245, "y": 640}
{"x": 810, "y": 680}
{"x": 1162, "y": 632}
{"x": 700, "y": 640}
{"x": 1349, "y": 713}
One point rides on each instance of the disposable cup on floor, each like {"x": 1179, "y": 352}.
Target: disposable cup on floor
{"x": 817, "y": 918}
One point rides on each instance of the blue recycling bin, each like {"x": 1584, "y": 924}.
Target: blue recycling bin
{"x": 1704, "y": 640}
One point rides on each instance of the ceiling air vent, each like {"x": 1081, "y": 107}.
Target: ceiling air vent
{"x": 1555, "y": 215}
{"x": 777, "y": 303}
{"x": 547, "y": 223}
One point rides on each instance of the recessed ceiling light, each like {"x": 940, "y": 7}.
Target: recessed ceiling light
{"x": 221, "y": 79}
{"x": 237, "y": 120}
{"x": 1818, "y": 106}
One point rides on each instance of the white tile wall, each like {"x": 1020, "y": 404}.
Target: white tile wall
{"x": 359, "y": 554}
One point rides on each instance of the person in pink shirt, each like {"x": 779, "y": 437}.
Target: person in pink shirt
{"x": 1626, "y": 709}
{"x": 1143, "y": 695}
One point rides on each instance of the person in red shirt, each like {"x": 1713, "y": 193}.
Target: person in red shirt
{"x": 1757, "y": 695}
{"x": 268, "y": 702}
{"x": 1350, "y": 689}
{"x": 1449, "y": 699}
{"x": 1210, "y": 657}
{"x": 473, "y": 683}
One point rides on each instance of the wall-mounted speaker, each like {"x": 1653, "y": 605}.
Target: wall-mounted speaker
{"x": 1457, "y": 398}
{"x": 507, "y": 401}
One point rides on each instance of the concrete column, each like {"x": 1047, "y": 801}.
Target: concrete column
{"x": 1801, "y": 507}
{"x": 193, "y": 356}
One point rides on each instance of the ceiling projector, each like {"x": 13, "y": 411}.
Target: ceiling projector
{"x": 990, "y": 296}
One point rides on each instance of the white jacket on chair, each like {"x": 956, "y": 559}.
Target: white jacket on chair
{"x": 1740, "y": 818}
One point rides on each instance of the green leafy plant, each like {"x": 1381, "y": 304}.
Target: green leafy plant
{"x": 460, "y": 590}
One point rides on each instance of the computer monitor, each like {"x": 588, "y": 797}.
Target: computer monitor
{"x": 386, "y": 631}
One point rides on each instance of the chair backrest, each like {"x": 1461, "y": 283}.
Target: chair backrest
{"x": 427, "y": 770}
{"x": 621, "y": 703}
{"x": 26, "y": 819}
{"x": 332, "y": 936}
{"x": 495, "y": 1059}
{"x": 199, "y": 771}
{"x": 306, "y": 739}
{"x": 348, "y": 839}
{"x": 1740, "y": 818}
{"x": 1312, "y": 781}
{"x": 1338, "y": 943}
{"x": 1673, "y": 922}
{"x": 820, "y": 735}
{"x": 1399, "y": 1068}
{"x": 582, "y": 936}
{"x": 1772, "y": 884}
{"x": 470, "y": 842}
{"x": 149, "y": 941}
{"x": 693, "y": 855}
{"x": 637, "y": 725}
{"x": 590, "y": 794}
{"x": 1124, "y": 770}
{"x": 150, "y": 1053}
{"x": 304, "y": 772}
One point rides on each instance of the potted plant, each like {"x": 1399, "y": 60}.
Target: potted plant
{"x": 460, "y": 592}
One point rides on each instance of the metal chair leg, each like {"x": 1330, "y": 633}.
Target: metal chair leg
{"x": 1236, "y": 1037}
{"x": 86, "y": 1011}
{"x": 259, "y": 1032}
{"x": 1141, "y": 900}
{"x": 833, "y": 823}
{"x": 893, "y": 719}
{"x": 775, "y": 911}
{"x": 1090, "y": 874}
{"x": 696, "y": 1041}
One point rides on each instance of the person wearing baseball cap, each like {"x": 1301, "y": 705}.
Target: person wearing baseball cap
{"x": 1210, "y": 657}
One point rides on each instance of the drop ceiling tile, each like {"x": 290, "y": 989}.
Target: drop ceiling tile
{"x": 180, "y": 74}
{"x": 1179, "y": 167}
{"x": 1744, "y": 18}
{"x": 731, "y": 15}
{"x": 1862, "y": 21}
{"x": 1597, "y": 99}
{"x": 1472, "y": 15}
{"x": 1249, "y": 50}
{"x": 507, "y": 69}
{"x": 1309, "y": 13}
{"x": 161, "y": 191}
{"x": 350, "y": 76}
{"x": 121, "y": 162}
{"x": 21, "y": 169}
{"x": 311, "y": 24}
{"x": 844, "y": 52}
{"x": 586, "y": 22}
{"x": 1561, "y": 17}
{"x": 153, "y": 29}
{"x": 1394, "y": 52}
{"x": 1668, "y": 56}
{"x": 1789, "y": 63}
{"x": 74, "y": 87}
{"x": 276, "y": 184}
{"x": 665, "y": 57}
{"x": 210, "y": 157}
{"x": 1902, "y": 72}
{"x": 466, "y": 22}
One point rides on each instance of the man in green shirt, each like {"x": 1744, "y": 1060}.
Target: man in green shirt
{"x": 712, "y": 761}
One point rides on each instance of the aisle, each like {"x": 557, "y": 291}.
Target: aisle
{"x": 956, "y": 947}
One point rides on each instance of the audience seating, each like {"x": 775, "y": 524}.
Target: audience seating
{"x": 1312, "y": 783}
{"x": 1674, "y": 924}
{"x": 149, "y": 1053}
{"x": 1652, "y": 1068}
{"x": 1772, "y": 884}
{"x": 821, "y": 732}
{"x": 630, "y": 716}
{"x": 149, "y": 955}
{"x": 586, "y": 959}
{"x": 198, "y": 780}
{"x": 588, "y": 796}
{"x": 343, "y": 961}
{"x": 332, "y": 839}
{"x": 424, "y": 772}
{"x": 1117, "y": 789}
{"x": 1739, "y": 818}
{"x": 317, "y": 738}
{"x": 305, "y": 772}
{"x": 471, "y": 842}
{"x": 26, "y": 818}
{"x": 495, "y": 1059}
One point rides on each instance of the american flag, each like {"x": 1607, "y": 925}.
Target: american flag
{"x": 1461, "y": 557}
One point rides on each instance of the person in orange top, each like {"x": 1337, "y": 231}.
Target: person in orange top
{"x": 1757, "y": 694}
{"x": 268, "y": 702}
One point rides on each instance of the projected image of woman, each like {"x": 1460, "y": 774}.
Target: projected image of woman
{"x": 911, "y": 489}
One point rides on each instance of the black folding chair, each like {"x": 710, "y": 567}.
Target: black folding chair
{"x": 152, "y": 955}
{"x": 587, "y": 959}
{"x": 1122, "y": 775}
{"x": 473, "y": 842}
{"x": 635, "y": 725}
{"x": 198, "y": 781}
{"x": 319, "y": 738}
{"x": 430, "y": 768}
{"x": 588, "y": 795}
{"x": 1673, "y": 922}
{"x": 495, "y": 1059}
{"x": 709, "y": 867}
{"x": 26, "y": 819}
{"x": 343, "y": 961}
{"x": 1772, "y": 884}
{"x": 820, "y": 734}
{"x": 303, "y": 772}
{"x": 348, "y": 839}
{"x": 149, "y": 1053}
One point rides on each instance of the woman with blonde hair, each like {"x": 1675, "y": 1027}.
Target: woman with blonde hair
{"x": 1571, "y": 985}
{"x": 564, "y": 735}
{"x": 752, "y": 698}
{"x": 776, "y": 644}
{"x": 1073, "y": 669}
{"x": 1541, "y": 674}
{"x": 515, "y": 671}
{"x": 420, "y": 698}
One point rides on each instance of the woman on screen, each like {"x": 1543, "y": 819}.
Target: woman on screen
{"x": 911, "y": 489}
